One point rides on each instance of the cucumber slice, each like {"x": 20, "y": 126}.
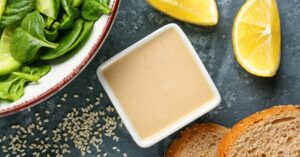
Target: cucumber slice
{"x": 49, "y": 8}
{"x": 2, "y": 7}
{"x": 7, "y": 63}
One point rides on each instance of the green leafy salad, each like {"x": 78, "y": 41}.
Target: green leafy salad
{"x": 33, "y": 32}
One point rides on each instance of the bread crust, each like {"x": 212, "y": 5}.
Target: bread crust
{"x": 242, "y": 126}
{"x": 181, "y": 142}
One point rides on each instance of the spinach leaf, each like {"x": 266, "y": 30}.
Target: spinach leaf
{"x": 105, "y": 2}
{"x": 33, "y": 73}
{"x": 49, "y": 22}
{"x": 68, "y": 18}
{"x": 92, "y": 10}
{"x": 51, "y": 34}
{"x": 65, "y": 42}
{"x": 38, "y": 69}
{"x": 66, "y": 4}
{"x": 49, "y": 8}
{"x": 15, "y": 10}
{"x": 76, "y": 3}
{"x": 2, "y": 7}
{"x": 86, "y": 30}
{"x": 29, "y": 38}
{"x": 7, "y": 62}
{"x": 12, "y": 85}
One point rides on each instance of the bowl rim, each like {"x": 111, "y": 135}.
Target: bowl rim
{"x": 76, "y": 71}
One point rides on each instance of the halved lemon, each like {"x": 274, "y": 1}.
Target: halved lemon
{"x": 200, "y": 12}
{"x": 256, "y": 37}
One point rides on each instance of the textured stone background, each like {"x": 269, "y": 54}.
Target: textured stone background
{"x": 242, "y": 93}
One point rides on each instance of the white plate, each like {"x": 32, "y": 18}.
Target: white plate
{"x": 64, "y": 72}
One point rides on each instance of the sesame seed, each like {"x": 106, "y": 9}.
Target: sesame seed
{"x": 15, "y": 126}
{"x": 44, "y": 132}
{"x": 65, "y": 95}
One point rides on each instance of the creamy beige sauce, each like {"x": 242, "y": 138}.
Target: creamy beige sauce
{"x": 158, "y": 84}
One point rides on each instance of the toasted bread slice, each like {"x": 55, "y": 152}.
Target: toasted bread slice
{"x": 274, "y": 132}
{"x": 199, "y": 141}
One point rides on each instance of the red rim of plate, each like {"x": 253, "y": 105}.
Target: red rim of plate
{"x": 40, "y": 98}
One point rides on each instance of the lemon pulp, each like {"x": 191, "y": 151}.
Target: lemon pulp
{"x": 256, "y": 37}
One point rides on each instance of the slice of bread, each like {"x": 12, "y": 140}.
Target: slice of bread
{"x": 199, "y": 141}
{"x": 274, "y": 132}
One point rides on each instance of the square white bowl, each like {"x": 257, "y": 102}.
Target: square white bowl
{"x": 201, "y": 110}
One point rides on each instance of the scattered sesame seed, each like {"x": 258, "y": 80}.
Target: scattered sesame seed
{"x": 83, "y": 127}
{"x": 65, "y": 95}
{"x": 15, "y": 126}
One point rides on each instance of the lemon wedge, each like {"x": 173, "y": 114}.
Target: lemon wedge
{"x": 200, "y": 12}
{"x": 256, "y": 37}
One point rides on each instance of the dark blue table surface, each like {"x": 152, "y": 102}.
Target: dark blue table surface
{"x": 242, "y": 93}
